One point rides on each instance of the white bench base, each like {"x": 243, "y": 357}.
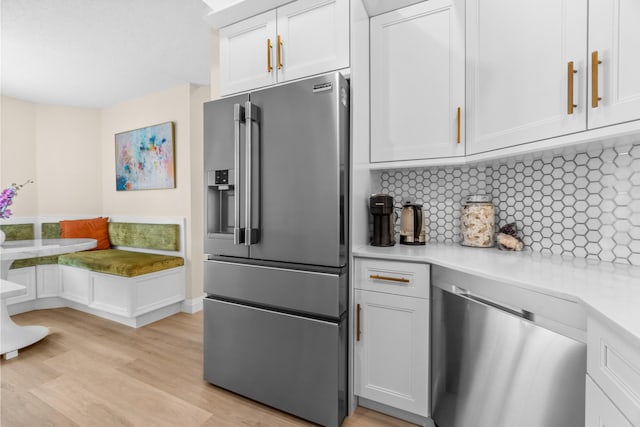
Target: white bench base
{"x": 132, "y": 301}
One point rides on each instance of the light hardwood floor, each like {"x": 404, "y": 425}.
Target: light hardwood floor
{"x": 93, "y": 372}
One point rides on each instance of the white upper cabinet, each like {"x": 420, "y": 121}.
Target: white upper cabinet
{"x": 519, "y": 76}
{"x": 614, "y": 36}
{"x": 314, "y": 37}
{"x": 536, "y": 71}
{"x": 296, "y": 40}
{"x": 417, "y": 82}
{"x": 246, "y": 54}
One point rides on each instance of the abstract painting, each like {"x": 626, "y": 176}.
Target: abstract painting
{"x": 145, "y": 158}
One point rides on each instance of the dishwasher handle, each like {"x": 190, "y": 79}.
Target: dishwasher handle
{"x": 524, "y": 314}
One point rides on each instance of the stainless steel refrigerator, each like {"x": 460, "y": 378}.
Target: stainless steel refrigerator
{"x": 276, "y": 230}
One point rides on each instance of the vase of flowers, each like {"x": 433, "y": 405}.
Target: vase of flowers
{"x": 6, "y": 200}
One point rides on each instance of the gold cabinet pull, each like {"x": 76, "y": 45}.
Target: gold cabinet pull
{"x": 459, "y": 109}
{"x": 594, "y": 79}
{"x": 358, "y": 323}
{"x": 269, "y": 67}
{"x": 570, "y": 72}
{"x": 390, "y": 279}
{"x": 279, "y": 52}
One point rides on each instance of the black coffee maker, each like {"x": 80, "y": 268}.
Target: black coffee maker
{"x": 381, "y": 207}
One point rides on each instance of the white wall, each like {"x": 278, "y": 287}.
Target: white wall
{"x": 68, "y": 162}
{"x": 168, "y": 106}
{"x": 196, "y": 227}
{"x": 18, "y": 151}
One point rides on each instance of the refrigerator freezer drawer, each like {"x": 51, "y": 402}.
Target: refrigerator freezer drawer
{"x": 292, "y": 363}
{"x": 305, "y": 292}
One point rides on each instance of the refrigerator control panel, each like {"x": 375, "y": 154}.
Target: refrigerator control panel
{"x": 222, "y": 176}
{"x": 220, "y": 179}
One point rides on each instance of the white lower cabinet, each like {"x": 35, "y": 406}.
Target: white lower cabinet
{"x": 392, "y": 352}
{"x": 392, "y": 343}
{"x": 613, "y": 368}
{"x": 601, "y": 412}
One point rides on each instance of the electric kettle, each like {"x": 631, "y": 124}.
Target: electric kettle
{"x": 412, "y": 225}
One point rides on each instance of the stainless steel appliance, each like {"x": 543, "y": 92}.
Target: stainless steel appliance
{"x": 412, "y": 225}
{"x": 275, "y": 313}
{"x": 503, "y": 366}
{"x": 381, "y": 208}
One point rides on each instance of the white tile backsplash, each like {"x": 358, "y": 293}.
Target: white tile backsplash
{"x": 585, "y": 204}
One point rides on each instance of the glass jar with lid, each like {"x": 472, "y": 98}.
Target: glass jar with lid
{"x": 478, "y": 221}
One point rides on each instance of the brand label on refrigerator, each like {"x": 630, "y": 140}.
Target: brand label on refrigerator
{"x": 322, "y": 87}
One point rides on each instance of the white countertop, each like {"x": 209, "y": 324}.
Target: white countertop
{"x": 607, "y": 290}
{"x": 22, "y": 249}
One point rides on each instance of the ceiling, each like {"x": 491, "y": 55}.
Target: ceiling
{"x": 96, "y": 53}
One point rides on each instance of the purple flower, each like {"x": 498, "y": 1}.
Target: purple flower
{"x": 6, "y": 198}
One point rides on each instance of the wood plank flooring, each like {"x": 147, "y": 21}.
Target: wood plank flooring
{"x": 93, "y": 372}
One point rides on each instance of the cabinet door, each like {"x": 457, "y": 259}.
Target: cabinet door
{"x": 518, "y": 74}
{"x": 313, "y": 38}
{"x": 417, "y": 82}
{"x": 600, "y": 412}
{"x": 247, "y": 50}
{"x": 392, "y": 357}
{"x": 48, "y": 280}
{"x": 614, "y": 34}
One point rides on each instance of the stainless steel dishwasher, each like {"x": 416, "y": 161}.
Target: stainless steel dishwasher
{"x": 498, "y": 364}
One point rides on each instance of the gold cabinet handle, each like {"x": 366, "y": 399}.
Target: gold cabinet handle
{"x": 358, "y": 322}
{"x": 279, "y": 52}
{"x": 570, "y": 72}
{"x": 389, "y": 279}
{"x": 459, "y": 109}
{"x": 269, "y": 67}
{"x": 594, "y": 79}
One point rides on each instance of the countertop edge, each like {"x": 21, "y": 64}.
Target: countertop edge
{"x": 589, "y": 303}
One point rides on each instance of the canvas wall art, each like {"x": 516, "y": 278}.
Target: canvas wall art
{"x": 145, "y": 158}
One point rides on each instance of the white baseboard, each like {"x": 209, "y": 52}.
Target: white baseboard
{"x": 395, "y": 412}
{"x": 133, "y": 322}
{"x": 192, "y": 305}
{"x": 36, "y": 304}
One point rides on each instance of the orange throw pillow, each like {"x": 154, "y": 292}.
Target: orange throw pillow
{"x": 96, "y": 228}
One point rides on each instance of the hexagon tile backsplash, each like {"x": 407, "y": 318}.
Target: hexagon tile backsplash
{"x": 585, "y": 204}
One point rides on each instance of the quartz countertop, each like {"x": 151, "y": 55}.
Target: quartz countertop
{"x": 608, "y": 291}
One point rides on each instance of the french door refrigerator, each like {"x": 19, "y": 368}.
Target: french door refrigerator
{"x": 275, "y": 275}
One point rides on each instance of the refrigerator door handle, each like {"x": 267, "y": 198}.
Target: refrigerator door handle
{"x": 251, "y": 115}
{"x": 238, "y": 117}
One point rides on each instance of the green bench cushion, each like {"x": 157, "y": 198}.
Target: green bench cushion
{"x": 31, "y": 262}
{"x": 18, "y": 231}
{"x": 119, "y": 262}
{"x": 50, "y": 230}
{"x": 164, "y": 237}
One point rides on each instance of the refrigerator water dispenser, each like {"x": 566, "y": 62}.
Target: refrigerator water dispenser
{"x": 220, "y": 201}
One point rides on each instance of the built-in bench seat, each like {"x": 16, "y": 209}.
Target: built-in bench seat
{"x": 140, "y": 280}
